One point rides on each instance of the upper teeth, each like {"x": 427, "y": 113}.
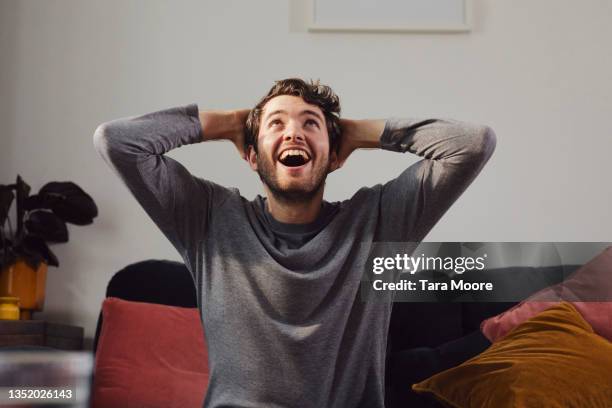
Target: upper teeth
{"x": 293, "y": 152}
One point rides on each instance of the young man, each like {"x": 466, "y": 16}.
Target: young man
{"x": 278, "y": 277}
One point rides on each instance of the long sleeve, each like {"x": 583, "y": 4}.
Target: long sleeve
{"x": 178, "y": 202}
{"x": 453, "y": 154}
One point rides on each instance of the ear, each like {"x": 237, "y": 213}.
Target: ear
{"x": 251, "y": 157}
{"x": 334, "y": 162}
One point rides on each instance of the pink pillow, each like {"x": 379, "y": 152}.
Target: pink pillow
{"x": 150, "y": 355}
{"x": 591, "y": 282}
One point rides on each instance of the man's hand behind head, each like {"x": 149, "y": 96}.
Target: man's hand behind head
{"x": 357, "y": 134}
{"x": 225, "y": 125}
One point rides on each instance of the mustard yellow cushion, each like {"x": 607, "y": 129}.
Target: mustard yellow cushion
{"x": 552, "y": 360}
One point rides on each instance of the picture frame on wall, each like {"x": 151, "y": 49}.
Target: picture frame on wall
{"x": 442, "y": 16}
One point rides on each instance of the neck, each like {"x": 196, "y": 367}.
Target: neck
{"x": 295, "y": 212}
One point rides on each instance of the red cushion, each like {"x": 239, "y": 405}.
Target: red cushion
{"x": 150, "y": 355}
{"x": 589, "y": 289}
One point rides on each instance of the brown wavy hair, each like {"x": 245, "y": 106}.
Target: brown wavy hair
{"x": 311, "y": 92}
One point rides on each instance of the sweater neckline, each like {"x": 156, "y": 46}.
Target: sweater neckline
{"x": 327, "y": 210}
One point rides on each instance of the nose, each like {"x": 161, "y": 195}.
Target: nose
{"x": 293, "y": 132}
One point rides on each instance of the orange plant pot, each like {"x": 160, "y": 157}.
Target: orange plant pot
{"x": 20, "y": 280}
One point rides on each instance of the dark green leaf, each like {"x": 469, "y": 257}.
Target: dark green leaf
{"x": 23, "y": 191}
{"x": 47, "y": 225}
{"x": 6, "y": 200}
{"x": 69, "y": 202}
{"x": 34, "y": 202}
{"x": 37, "y": 250}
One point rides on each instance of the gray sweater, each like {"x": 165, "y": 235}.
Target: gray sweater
{"x": 285, "y": 324}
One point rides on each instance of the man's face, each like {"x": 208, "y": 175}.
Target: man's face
{"x": 293, "y": 144}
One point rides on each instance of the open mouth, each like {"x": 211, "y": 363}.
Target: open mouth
{"x": 294, "y": 158}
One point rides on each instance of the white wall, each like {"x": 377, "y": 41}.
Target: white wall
{"x": 538, "y": 72}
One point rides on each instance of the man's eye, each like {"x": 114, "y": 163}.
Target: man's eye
{"x": 312, "y": 122}
{"x": 275, "y": 122}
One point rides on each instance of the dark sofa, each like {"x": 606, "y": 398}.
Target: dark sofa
{"x": 424, "y": 337}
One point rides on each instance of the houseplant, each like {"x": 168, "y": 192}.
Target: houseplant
{"x": 40, "y": 219}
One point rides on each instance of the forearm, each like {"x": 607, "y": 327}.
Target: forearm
{"x": 155, "y": 133}
{"x": 445, "y": 140}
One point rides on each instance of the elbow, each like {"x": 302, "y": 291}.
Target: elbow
{"x": 101, "y": 138}
{"x": 485, "y": 143}
{"x": 489, "y": 140}
{"x": 107, "y": 137}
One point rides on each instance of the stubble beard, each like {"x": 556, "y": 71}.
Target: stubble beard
{"x": 267, "y": 174}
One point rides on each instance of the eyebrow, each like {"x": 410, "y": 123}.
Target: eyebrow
{"x": 304, "y": 112}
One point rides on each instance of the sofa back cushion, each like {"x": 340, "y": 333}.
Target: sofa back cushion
{"x": 150, "y": 355}
{"x": 424, "y": 324}
{"x": 589, "y": 289}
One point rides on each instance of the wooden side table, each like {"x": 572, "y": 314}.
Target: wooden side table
{"x": 40, "y": 333}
